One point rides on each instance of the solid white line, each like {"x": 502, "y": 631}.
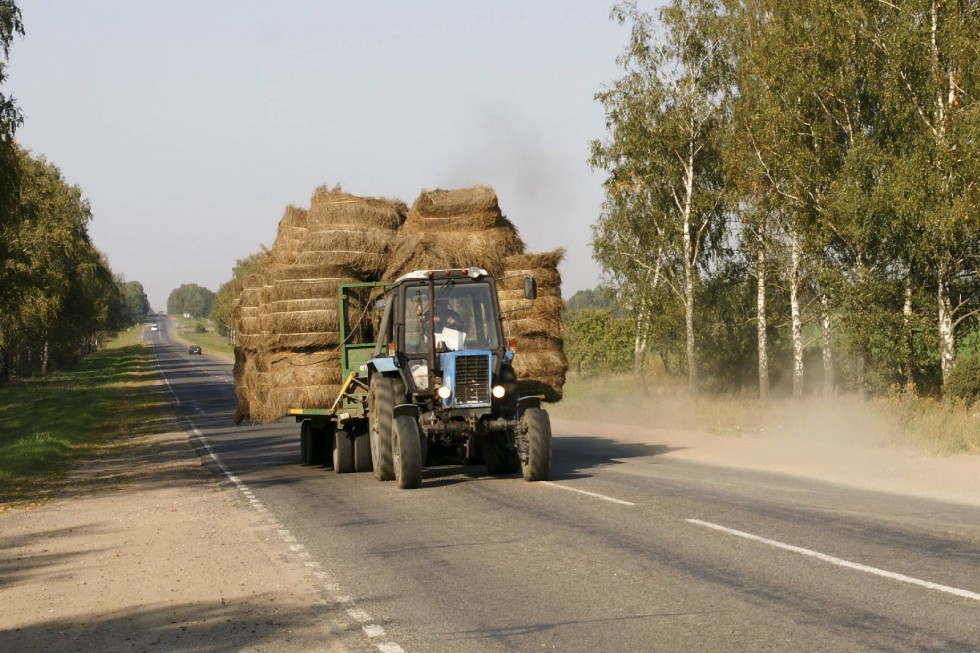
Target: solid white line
{"x": 966, "y": 594}
{"x": 587, "y": 493}
{"x": 373, "y": 631}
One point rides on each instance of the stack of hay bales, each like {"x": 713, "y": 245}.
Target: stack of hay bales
{"x": 294, "y": 362}
{"x": 457, "y": 228}
{"x": 539, "y": 362}
{"x": 287, "y": 316}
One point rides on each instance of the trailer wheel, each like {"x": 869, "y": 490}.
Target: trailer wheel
{"x": 382, "y": 395}
{"x": 537, "y": 467}
{"x": 320, "y": 444}
{"x": 362, "y": 452}
{"x": 407, "y": 449}
{"x": 343, "y": 452}
{"x": 500, "y": 457}
{"x": 306, "y": 442}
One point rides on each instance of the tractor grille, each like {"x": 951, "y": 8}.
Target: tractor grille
{"x": 472, "y": 380}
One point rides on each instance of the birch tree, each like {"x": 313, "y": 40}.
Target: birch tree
{"x": 664, "y": 116}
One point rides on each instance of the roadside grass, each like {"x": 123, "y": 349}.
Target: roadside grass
{"x": 211, "y": 342}
{"x": 925, "y": 425}
{"x": 48, "y": 424}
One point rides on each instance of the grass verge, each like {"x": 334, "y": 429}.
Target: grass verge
{"x": 47, "y": 424}
{"x": 931, "y": 427}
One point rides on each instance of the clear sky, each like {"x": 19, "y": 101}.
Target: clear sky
{"x": 191, "y": 124}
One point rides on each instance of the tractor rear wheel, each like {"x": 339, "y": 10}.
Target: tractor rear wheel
{"x": 538, "y": 426}
{"x": 407, "y": 450}
{"x": 383, "y": 393}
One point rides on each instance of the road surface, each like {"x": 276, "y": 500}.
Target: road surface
{"x": 626, "y": 550}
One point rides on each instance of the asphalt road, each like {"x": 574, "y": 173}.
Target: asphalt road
{"x": 625, "y": 551}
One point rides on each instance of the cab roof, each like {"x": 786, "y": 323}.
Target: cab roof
{"x": 451, "y": 273}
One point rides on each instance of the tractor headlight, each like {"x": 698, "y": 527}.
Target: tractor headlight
{"x": 498, "y": 391}
{"x": 443, "y": 392}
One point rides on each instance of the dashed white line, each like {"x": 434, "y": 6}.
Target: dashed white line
{"x": 840, "y": 562}
{"x": 594, "y": 495}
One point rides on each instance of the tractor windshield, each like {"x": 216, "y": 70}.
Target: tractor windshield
{"x": 465, "y": 317}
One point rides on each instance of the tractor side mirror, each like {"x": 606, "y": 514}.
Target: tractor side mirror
{"x": 530, "y": 288}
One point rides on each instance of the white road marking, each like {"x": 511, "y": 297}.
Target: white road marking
{"x": 966, "y": 594}
{"x": 587, "y": 493}
{"x": 373, "y": 631}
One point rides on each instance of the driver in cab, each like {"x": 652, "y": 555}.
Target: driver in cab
{"x": 445, "y": 316}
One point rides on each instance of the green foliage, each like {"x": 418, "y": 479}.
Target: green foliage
{"x": 221, "y": 310}
{"x": 61, "y": 298}
{"x": 964, "y": 382}
{"x": 200, "y": 328}
{"x": 599, "y": 298}
{"x": 192, "y": 299}
{"x": 10, "y": 119}
{"x": 136, "y": 306}
{"x": 837, "y": 149}
{"x": 596, "y": 341}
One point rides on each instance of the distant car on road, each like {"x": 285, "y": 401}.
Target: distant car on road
{"x": 154, "y": 327}
{"x": 194, "y": 349}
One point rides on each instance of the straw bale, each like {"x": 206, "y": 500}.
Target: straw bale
{"x": 363, "y": 240}
{"x": 540, "y": 364}
{"x": 525, "y": 309}
{"x": 280, "y": 399}
{"x": 279, "y": 340}
{"x": 530, "y": 262}
{"x": 418, "y": 250}
{"x": 300, "y": 289}
{"x": 354, "y": 262}
{"x": 550, "y": 327}
{"x": 241, "y": 391}
{"x": 302, "y": 305}
{"x": 300, "y": 369}
{"x": 337, "y": 208}
{"x": 528, "y": 343}
{"x": 511, "y": 283}
{"x": 319, "y": 272}
{"x": 307, "y": 321}
{"x": 250, "y": 341}
{"x": 459, "y": 222}
{"x": 456, "y": 202}
{"x": 550, "y": 387}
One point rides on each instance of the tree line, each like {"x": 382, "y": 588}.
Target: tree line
{"x": 792, "y": 192}
{"x": 58, "y": 295}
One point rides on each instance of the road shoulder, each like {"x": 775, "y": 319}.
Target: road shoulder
{"x": 861, "y": 465}
{"x": 147, "y": 549}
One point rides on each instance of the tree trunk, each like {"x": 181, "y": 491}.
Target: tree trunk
{"x": 689, "y": 272}
{"x": 640, "y": 346}
{"x": 762, "y": 324}
{"x": 796, "y": 254}
{"x": 907, "y": 333}
{"x": 947, "y": 341}
{"x": 44, "y": 358}
{"x": 827, "y": 353}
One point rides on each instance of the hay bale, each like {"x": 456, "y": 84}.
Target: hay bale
{"x": 417, "y": 249}
{"x": 549, "y": 387}
{"x": 539, "y": 362}
{"x": 441, "y": 203}
{"x": 294, "y": 369}
{"x": 335, "y": 208}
